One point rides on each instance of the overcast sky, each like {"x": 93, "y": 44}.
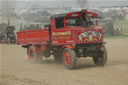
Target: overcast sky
{"x": 91, "y": 2}
{"x": 57, "y": 3}
{"x": 56, "y": 0}
{"x": 68, "y": 0}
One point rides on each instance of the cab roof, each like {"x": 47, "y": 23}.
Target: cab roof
{"x": 75, "y": 14}
{"x": 58, "y": 15}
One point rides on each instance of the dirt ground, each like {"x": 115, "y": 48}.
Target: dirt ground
{"x": 16, "y": 70}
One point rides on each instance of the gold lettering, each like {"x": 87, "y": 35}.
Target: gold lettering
{"x": 61, "y": 33}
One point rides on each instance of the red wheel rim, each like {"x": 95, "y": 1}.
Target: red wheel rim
{"x": 67, "y": 58}
{"x": 30, "y": 55}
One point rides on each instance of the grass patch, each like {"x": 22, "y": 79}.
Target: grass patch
{"x": 123, "y": 24}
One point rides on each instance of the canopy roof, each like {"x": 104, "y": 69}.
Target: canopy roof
{"x": 75, "y": 14}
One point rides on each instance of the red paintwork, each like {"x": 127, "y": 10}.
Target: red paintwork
{"x": 65, "y": 46}
{"x": 73, "y": 38}
{"x": 78, "y": 14}
{"x": 67, "y": 58}
{"x": 33, "y": 37}
{"x": 68, "y": 46}
{"x": 30, "y": 55}
{"x": 62, "y": 36}
{"x": 37, "y": 49}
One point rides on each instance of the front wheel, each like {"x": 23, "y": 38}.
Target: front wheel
{"x": 101, "y": 58}
{"x": 69, "y": 58}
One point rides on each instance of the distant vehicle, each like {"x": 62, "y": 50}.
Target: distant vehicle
{"x": 68, "y": 37}
{"x": 7, "y": 34}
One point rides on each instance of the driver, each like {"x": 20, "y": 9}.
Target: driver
{"x": 84, "y": 19}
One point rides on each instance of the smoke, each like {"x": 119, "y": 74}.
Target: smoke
{"x": 7, "y": 6}
{"x": 74, "y": 3}
{"x": 83, "y": 3}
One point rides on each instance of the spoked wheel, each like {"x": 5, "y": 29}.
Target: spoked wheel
{"x": 101, "y": 57}
{"x": 69, "y": 58}
{"x": 33, "y": 56}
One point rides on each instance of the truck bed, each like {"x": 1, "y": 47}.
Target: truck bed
{"x": 40, "y": 36}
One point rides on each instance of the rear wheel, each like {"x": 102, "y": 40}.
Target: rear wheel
{"x": 33, "y": 56}
{"x": 69, "y": 58}
{"x": 101, "y": 57}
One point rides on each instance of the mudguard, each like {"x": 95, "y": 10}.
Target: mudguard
{"x": 66, "y": 46}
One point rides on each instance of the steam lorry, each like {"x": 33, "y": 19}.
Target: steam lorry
{"x": 68, "y": 37}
